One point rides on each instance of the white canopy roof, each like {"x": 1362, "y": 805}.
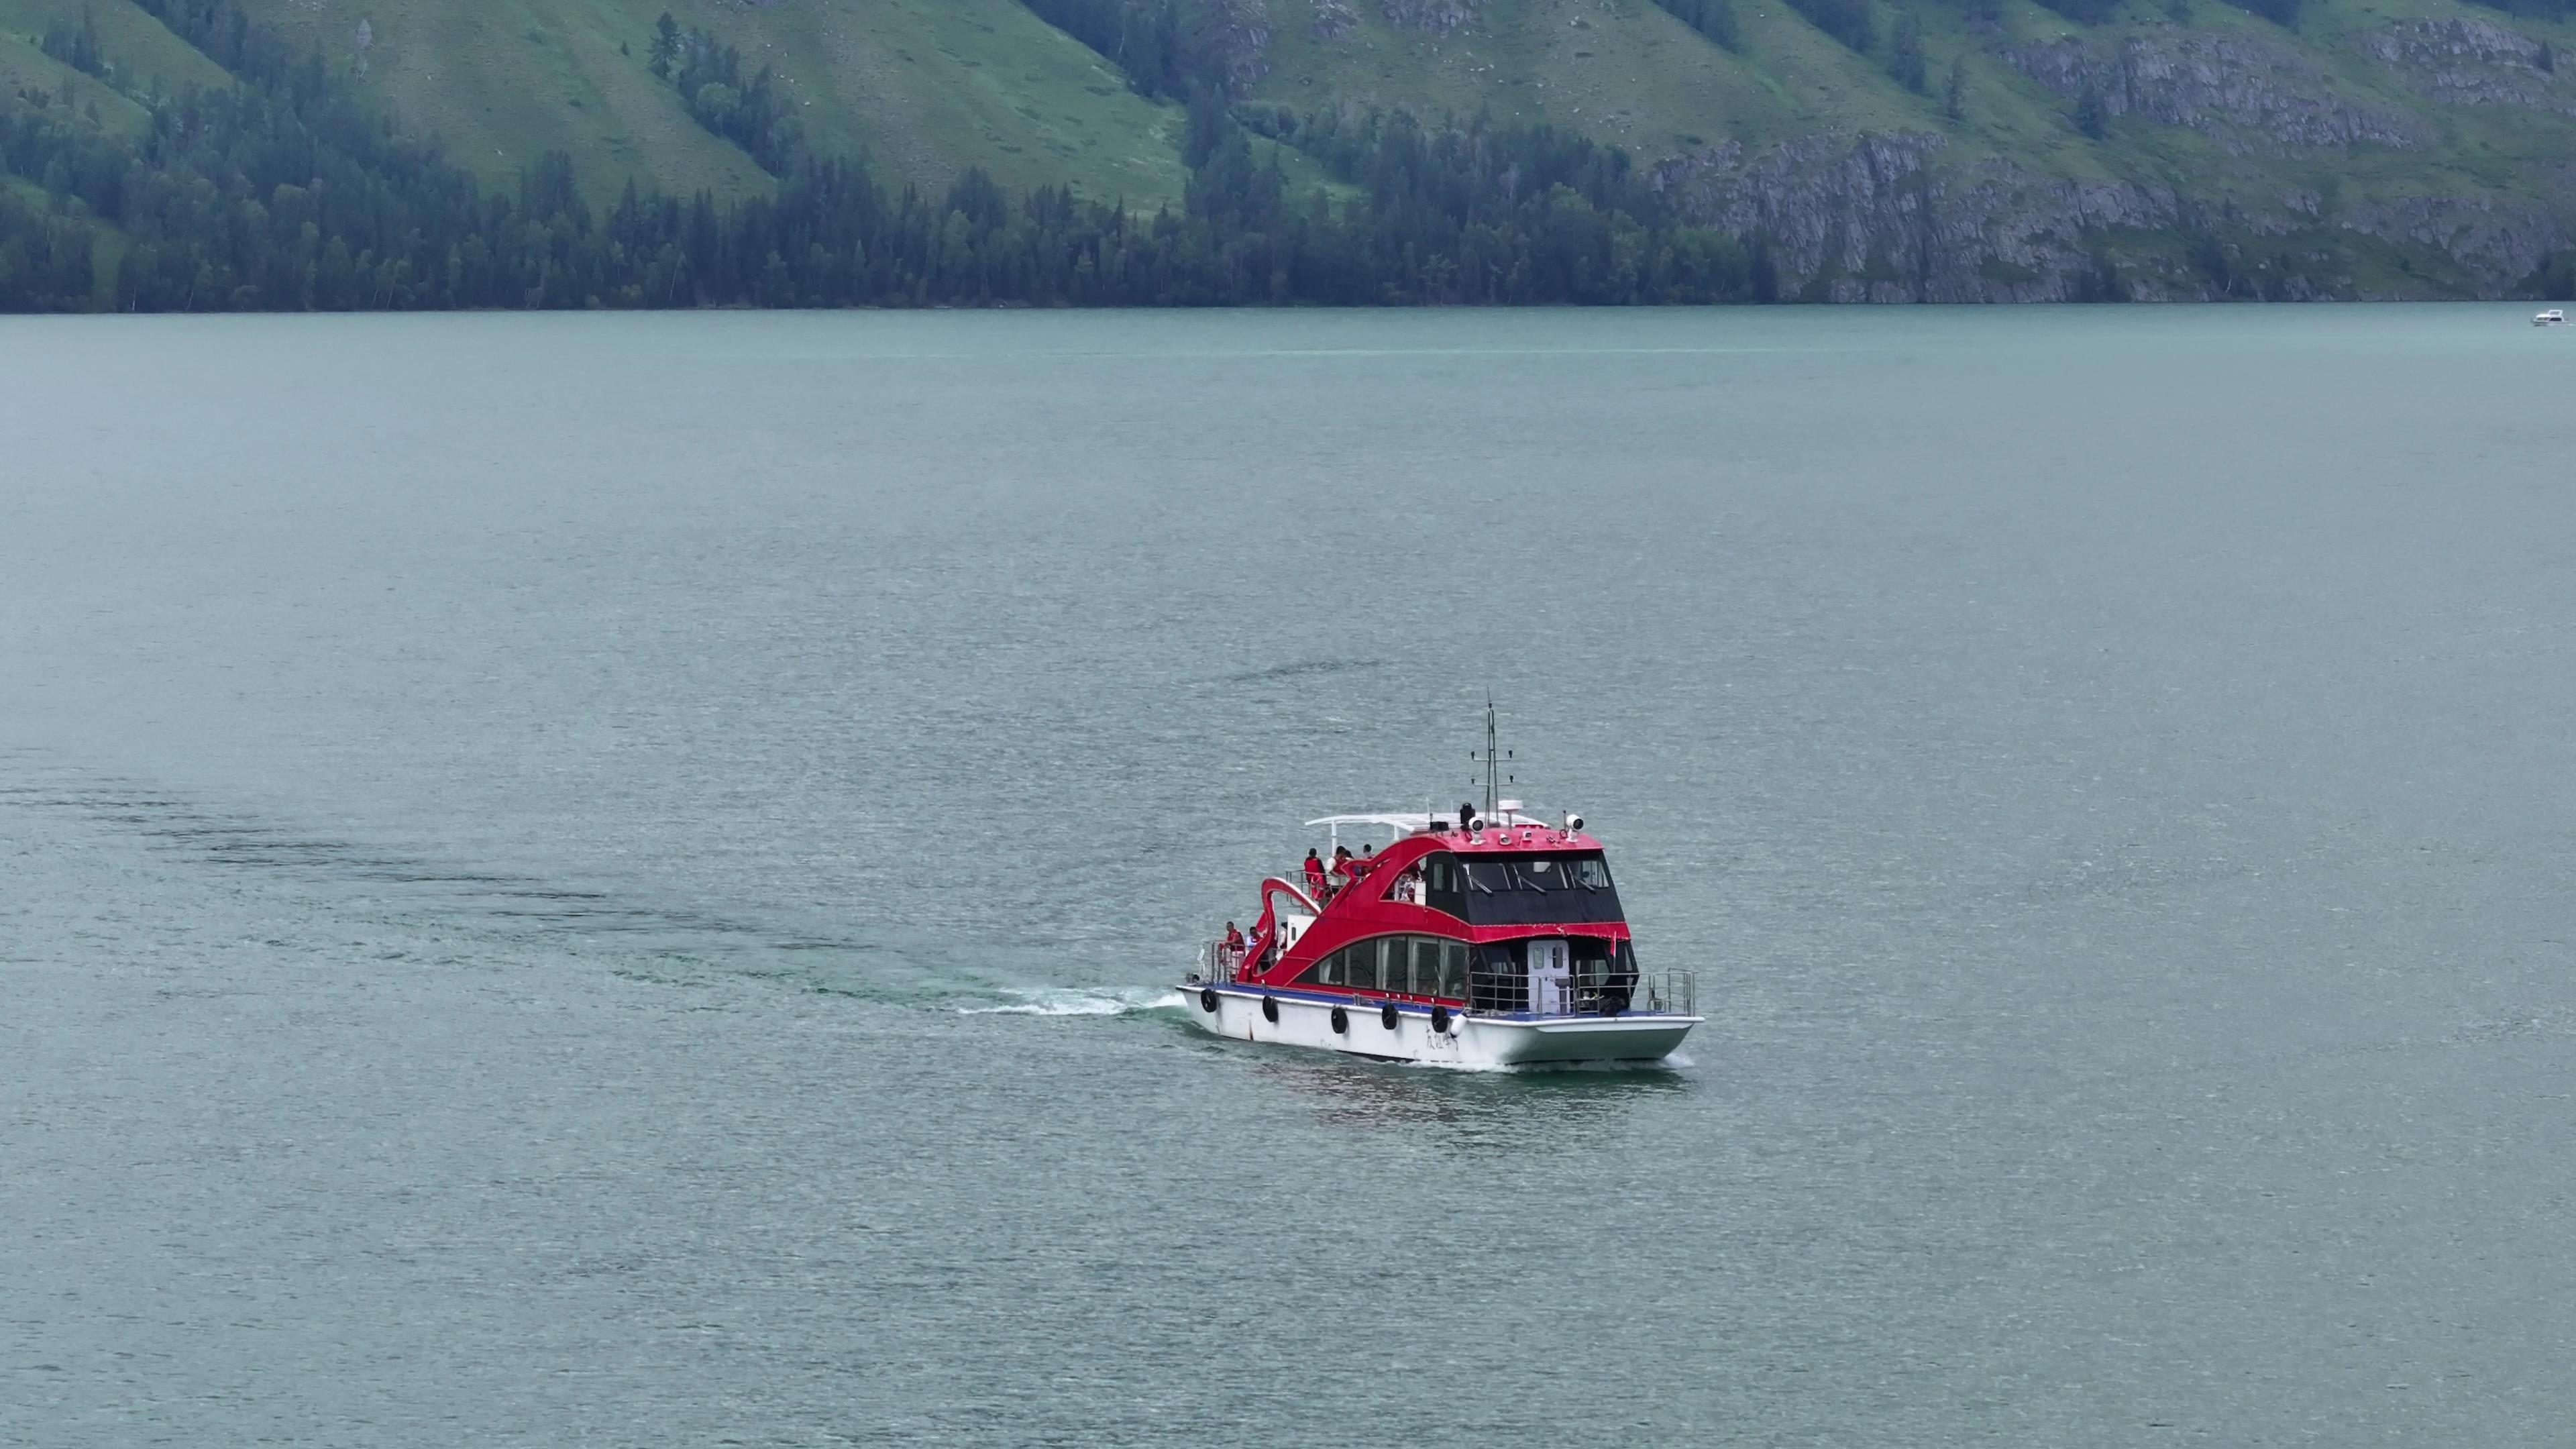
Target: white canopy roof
{"x": 1415, "y": 822}
{"x": 1401, "y": 823}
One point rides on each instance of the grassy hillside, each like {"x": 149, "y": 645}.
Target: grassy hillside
{"x": 926, "y": 87}
{"x": 1623, "y": 71}
{"x": 160, "y": 61}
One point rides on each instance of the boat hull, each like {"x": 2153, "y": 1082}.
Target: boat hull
{"x": 1306, "y": 1019}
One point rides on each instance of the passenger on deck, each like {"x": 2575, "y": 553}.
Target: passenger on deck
{"x": 1316, "y": 885}
{"x": 1233, "y": 942}
{"x": 1367, "y": 859}
{"x": 1343, "y": 875}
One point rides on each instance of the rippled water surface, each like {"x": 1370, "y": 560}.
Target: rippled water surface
{"x": 608, "y": 880}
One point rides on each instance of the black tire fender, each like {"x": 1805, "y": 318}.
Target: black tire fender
{"x": 1341, "y": 1020}
{"x": 1207, "y": 1000}
{"x": 1270, "y": 1010}
{"x": 1386, "y": 1015}
{"x": 1440, "y": 1020}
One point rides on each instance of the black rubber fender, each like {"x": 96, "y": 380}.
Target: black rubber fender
{"x": 1440, "y": 1020}
{"x": 1386, "y": 1015}
{"x": 1270, "y": 1010}
{"x": 1207, "y": 1000}
{"x": 1341, "y": 1020}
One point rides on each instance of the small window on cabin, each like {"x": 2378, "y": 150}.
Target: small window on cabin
{"x": 1590, "y": 872}
{"x": 1426, "y": 965}
{"x": 1391, "y": 967}
{"x": 1328, "y": 972}
{"x": 1441, "y": 889}
{"x": 1453, "y": 968}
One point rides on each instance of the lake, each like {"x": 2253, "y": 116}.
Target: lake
{"x": 615, "y": 879}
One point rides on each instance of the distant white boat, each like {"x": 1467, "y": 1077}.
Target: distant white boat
{"x": 2550, "y": 318}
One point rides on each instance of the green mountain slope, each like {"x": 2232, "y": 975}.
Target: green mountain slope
{"x": 926, "y": 88}
{"x": 2167, "y": 148}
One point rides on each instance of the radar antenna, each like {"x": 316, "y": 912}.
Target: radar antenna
{"x": 1495, "y": 762}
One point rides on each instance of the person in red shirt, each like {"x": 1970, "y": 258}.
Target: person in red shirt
{"x": 1316, "y": 885}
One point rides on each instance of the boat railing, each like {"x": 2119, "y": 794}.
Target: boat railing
{"x": 1219, "y": 963}
{"x": 1671, "y": 991}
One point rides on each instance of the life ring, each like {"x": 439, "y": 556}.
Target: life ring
{"x": 1386, "y": 1015}
{"x": 1440, "y": 1020}
{"x": 1207, "y": 999}
{"x": 1270, "y": 1010}
{"x": 1341, "y": 1020}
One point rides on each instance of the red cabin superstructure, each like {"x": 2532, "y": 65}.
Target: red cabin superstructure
{"x": 1515, "y": 916}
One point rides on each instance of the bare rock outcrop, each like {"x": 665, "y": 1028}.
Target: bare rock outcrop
{"x": 2500, "y": 242}
{"x": 1333, "y": 19}
{"x": 2470, "y": 62}
{"x": 1238, "y": 36}
{"x": 2250, "y": 95}
{"x": 1440, "y": 17}
{"x": 1874, "y": 219}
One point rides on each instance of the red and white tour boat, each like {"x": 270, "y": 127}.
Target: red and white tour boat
{"x": 1479, "y": 939}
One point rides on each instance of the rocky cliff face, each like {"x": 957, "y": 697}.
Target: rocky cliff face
{"x": 2251, "y": 95}
{"x": 1239, "y": 35}
{"x": 1902, "y": 218}
{"x": 1878, "y": 220}
{"x": 2471, "y": 63}
{"x": 1891, "y": 219}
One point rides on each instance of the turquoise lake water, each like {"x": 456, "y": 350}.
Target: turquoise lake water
{"x": 608, "y": 880}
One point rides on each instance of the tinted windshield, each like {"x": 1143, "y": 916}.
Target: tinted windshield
{"x": 1506, "y": 890}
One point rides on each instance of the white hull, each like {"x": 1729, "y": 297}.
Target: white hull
{"x": 1470, "y": 1041}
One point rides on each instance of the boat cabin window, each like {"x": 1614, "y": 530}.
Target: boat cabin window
{"x": 1395, "y": 965}
{"x": 1442, "y": 885}
{"x": 1513, "y": 890}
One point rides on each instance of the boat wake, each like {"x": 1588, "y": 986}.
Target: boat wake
{"x": 1080, "y": 1003}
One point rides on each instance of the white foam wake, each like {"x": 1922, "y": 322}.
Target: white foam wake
{"x": 1080, "y": 1003}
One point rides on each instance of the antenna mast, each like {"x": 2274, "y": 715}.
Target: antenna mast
{"x": 1493, "y": 760}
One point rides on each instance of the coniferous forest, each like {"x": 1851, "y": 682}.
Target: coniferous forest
{"x": 285, "y": 193}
